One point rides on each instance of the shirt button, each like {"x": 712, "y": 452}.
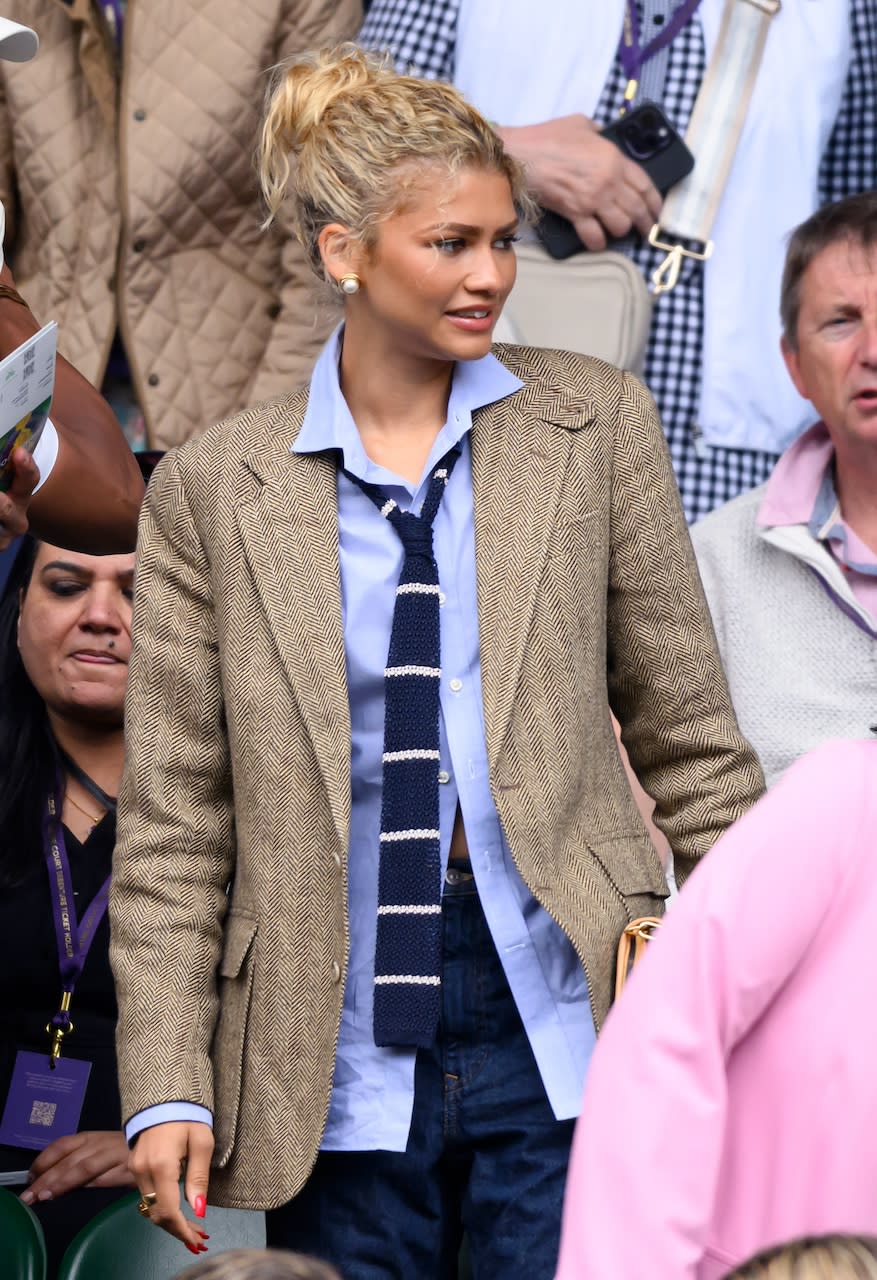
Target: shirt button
{"x": 444, "y": 776}
{"x": 153, "y": 379}
{"x": 139, "y": 115}
{"x": 456, "y": 685}
{"x": 138, "y": 246}
{"x": 336, "y": 971}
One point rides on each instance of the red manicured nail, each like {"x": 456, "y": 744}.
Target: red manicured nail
{"x": 200, "y": 1206}
{"x": 203, "y": 1234}
{"x": 193, "y": 1248}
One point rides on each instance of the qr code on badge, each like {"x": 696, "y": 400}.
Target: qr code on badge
{"x": 43, "y": 1113}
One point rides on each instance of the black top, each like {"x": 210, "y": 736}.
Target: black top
{"x": 30, "y": 987}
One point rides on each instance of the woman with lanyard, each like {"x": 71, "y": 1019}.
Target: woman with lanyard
{"x": 64, "y": 646}
{"x": 376, "y": 846}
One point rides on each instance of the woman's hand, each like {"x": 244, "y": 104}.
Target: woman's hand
{"x": 14, "y": 503}
{"x": 95, "y": 1158}
{"x": 159, "y": 1156}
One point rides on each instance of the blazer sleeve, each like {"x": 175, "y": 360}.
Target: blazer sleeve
{"x": 174, "y": 854}
{"x": 666, "y": 684}
{"x": 303, "y": 321}
{"x": 648, "y": 1147}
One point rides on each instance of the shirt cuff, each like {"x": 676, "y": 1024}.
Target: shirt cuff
{"x": 164, "y": 1113}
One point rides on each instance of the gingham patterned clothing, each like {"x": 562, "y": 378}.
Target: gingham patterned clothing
{"x": 421, "y": 36}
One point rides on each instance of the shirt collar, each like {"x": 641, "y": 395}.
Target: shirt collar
{"x": 796, "y": 481}
{"x": 327, "y": 423}
{"x": 801, "y": 491}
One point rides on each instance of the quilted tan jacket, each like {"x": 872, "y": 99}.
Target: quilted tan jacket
{"x": 238, "y": 736}
{"x": 132, "y": 198}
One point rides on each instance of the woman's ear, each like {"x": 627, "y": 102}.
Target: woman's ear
{"x": 340, "y": 251}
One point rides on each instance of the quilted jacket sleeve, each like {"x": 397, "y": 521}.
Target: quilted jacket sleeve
{"x": 175, "y": 847}
{"x": 666, "y": 682}
{"x": 300, "y": 328}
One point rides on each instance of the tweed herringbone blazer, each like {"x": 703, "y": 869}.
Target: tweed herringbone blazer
{"x": 228, "y": 907}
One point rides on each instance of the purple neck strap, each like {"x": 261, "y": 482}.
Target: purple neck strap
{"x": 632, "y": 54}
{"x": 74, "y": 937}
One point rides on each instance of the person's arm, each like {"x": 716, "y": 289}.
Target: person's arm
{"x": 174, "y": 856}
{"x": 92, "y": 1158}
{"x": 648, "y": 1145}
{"x": 303, "y": 322}
{"x": 665, "y": 678}
{"x": 90, "y": 500}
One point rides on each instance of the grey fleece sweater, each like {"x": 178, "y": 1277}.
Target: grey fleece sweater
{"x": 800, "y": 651}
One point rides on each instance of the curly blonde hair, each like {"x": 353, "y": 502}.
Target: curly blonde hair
{"x": 346, "y": 138}
{"x": 835, "y": 1257}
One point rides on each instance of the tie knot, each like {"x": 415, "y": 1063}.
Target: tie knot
{"x": 415, "y": 534}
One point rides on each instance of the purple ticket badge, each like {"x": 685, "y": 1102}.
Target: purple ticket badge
{"x": 43, "y": 1104}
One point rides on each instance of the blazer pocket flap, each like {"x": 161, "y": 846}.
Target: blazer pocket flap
{"x": 239, "y": 934}
{"x": 632, "y": 864}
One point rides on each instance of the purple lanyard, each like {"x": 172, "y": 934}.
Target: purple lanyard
{"x": 114, "y": 11}
{"x": 74, "y": 937}
{"x": 631, "y": 53}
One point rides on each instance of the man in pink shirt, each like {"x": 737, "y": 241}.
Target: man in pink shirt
{"x": 790, "y": 569}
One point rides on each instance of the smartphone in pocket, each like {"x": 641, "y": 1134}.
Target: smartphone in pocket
{"x": 647, "y": 137}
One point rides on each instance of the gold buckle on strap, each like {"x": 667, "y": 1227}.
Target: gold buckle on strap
{"x": 667, "y": 274}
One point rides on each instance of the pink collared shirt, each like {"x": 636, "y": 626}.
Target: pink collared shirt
{"x": 792, "y": 492}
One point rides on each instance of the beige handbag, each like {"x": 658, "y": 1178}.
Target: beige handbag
{"x": 597, "y": 304}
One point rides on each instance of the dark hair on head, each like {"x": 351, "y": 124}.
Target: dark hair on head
{"x": 853, "y": 220}
{"x": 833, "y": 1257}
{"x": 26, "y": 751}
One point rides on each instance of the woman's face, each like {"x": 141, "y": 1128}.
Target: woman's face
{"x": 74, "y": 632}
{"x": 437, "y": 278}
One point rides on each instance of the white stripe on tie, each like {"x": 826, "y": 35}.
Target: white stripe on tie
{"x": 416, "y": 833}
{"x": 417, "y": 979}
{"x": 410, "y": 911}
{"x": 435, "y": 672}
{"x": 390, "y": 757}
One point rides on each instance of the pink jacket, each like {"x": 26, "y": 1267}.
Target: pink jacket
{"x": 732, "y": 1099}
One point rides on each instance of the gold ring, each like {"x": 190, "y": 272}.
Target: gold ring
{"x": 147, "y": 1200}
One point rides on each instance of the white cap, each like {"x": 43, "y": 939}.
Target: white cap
{"x": 17, "y": 43}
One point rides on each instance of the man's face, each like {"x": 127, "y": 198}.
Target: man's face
{"x": 835, "y": 363}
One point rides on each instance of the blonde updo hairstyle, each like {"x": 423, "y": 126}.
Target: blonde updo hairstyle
{"x": 346, "y": 138}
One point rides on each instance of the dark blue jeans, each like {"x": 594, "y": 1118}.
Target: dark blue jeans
{"x": 485, "y": 1154}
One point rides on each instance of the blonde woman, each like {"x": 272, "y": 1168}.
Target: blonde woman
{"x": 259, "y": 1264}
{"x": 376, "y": 843}
{"x": 820, "y": 1258}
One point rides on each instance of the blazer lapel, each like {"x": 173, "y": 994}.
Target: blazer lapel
{"x": 520, "y": 451}
{"x": 290, "y": 537}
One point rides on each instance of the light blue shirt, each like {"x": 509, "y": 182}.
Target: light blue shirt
{"x": 373, "y": 1090}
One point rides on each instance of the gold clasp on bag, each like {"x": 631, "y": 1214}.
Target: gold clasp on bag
{"x": 667, "y": 274}
{"x": 632, "y": 948}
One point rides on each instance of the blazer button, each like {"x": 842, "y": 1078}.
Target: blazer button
{"x": 336, "y": 971}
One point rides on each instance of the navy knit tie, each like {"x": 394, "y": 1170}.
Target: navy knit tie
{"x": 408, "y": 950}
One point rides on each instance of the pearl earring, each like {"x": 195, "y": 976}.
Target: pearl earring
{"x": 349, "y": 283}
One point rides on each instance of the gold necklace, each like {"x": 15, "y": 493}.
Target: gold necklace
{"x": 92, "y": 819}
